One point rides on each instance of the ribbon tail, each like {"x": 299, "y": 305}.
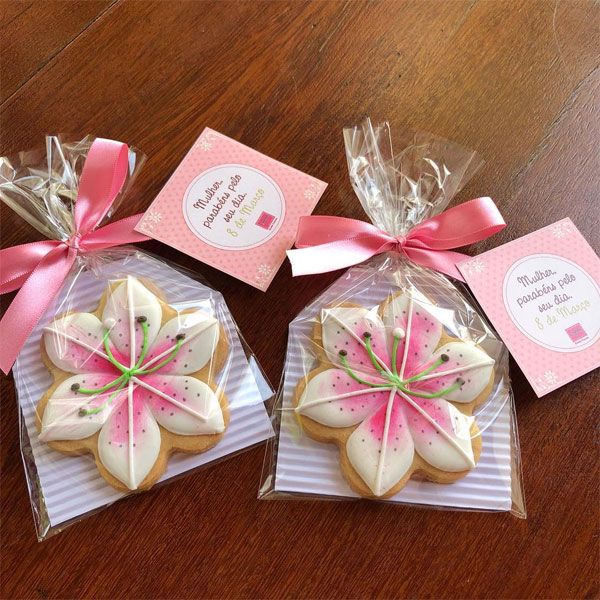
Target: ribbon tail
{"x": 335, "y": 255}
{"x": 330, "y": 243}
{"x": 19, "y": 261}
{"x": 114, "y": 234}
{"x": 461, "y": 225}
{"x": 317, "y": 230}
{"x": 32, "y": 300}
{"x": 443, "y": 261}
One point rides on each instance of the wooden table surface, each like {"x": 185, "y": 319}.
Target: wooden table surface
{"x": 518, "y": 81}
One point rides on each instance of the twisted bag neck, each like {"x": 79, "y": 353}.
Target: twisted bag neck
{"x": 326, "y": 244}
{"x": 39, "y": 269}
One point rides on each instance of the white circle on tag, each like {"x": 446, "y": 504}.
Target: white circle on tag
{"x": 233, "y": 207}
{"x": 553, "y": 301}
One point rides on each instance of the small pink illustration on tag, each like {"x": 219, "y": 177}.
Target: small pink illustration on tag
{"x": 576, "y": 333}
{"x": 266, "y": 220}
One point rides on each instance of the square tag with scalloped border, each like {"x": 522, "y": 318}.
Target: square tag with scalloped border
{"x": 542, "y": 294}
{"x": 233, "y": 208}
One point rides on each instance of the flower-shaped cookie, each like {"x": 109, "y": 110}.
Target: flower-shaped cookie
{"x": 133, "y": 382}
{"x": 395, "y": 393}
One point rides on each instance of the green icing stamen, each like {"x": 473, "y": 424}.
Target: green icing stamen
{"x": 75, "y": 387}
{"x": 443, "y": 358}
{"x": 371, "y": 354}
{"x": 344, "y": 361}
{"x": 109, "y": 353}
{"x": 92, "y": 411}
{"x": 448, "y": 390}
{"x": 180, "y": 337}
{"x": 144, "y": 323}
{"x": 395, "y": 354}
{"x": 127, "y": 373}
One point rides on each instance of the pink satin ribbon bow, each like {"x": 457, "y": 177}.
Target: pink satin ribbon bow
{"x": 40, "y": 268}
{"x": 330, "y": 243}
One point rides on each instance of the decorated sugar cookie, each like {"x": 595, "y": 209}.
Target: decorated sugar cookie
{"x": 396, "y": 394}
{"x": 133, "y": 382}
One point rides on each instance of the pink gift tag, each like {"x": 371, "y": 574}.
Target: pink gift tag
{"x": 232, "y": 208}
{"x": 542, "y": 293}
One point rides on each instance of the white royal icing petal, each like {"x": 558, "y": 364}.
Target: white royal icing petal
{"x": 466, "y": 362}
{"x": 74, "y": 343}
{"x": 418, "y": 330}
{"x": 333, "y": 398}
{"x": 201, "y": 338}
{"x": 129, "y": 442}
{"x": 343, "y": 329}
{"x": 381, "y": 449}
{"x": 128, "y": 301}
{"x": 62, "y": 420}
{"x": 441, "y": 434}
{"x": 183, "y": 405}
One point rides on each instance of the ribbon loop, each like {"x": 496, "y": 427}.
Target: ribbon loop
{"x": 102, "y": 178}
{"x": 39, "y": 269}
{"x": 326, "y": 243}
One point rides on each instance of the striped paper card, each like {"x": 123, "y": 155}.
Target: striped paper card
{"x": 309, "y": 467}
{"x": 70, "y": 486}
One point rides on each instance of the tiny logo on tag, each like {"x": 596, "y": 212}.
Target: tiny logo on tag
{"x": 576, "y": 333}
{"x": 266, "y": 220}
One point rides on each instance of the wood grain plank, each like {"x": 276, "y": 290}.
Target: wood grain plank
{"x": 519, "y": 81}
{"x": 11, "y": 10}
{"x": 32, "y": 33}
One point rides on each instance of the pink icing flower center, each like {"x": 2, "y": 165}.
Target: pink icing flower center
{"x": 392, "y": 377}
{"x": 127, "y": 373}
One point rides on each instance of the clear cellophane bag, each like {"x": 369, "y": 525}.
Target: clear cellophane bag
{"x": 395, "y": 387}
{"x": 191, "y": 394}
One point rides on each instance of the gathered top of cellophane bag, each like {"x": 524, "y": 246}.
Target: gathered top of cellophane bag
{"x": 41, "y": 185}
{"x": 399, "y": 191}
{"x": 395, "y": 387}
{"x": 405, "y": 194}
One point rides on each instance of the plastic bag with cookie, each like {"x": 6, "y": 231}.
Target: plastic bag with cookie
{"x": 129, "y": 371}
{"x": 395, "y": 387}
